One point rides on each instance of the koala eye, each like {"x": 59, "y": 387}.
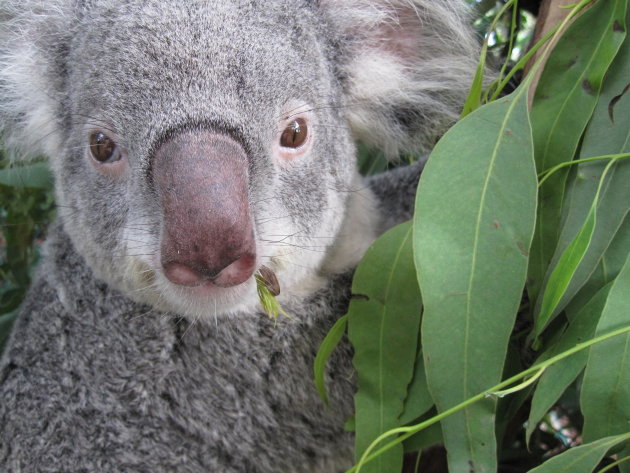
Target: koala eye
{"x": 103, "y": 148}
{"x": 294, "y": 135}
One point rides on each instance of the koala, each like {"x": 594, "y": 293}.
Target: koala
{"x": 194, "y": 143}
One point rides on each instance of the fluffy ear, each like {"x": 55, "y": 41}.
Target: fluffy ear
{"x": 33, "y": 40}
{"x": 408, "y": 66}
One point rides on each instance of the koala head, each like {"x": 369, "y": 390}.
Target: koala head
{"x": 194, "y": 142}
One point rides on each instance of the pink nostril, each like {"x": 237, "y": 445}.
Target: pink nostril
{"x": 233, "y": 274}
{"x": 183, "y": 275}
{"x": 238, "y": 272}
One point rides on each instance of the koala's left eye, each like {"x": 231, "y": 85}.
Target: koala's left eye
{"x": 295, "y": 134}
{"x": 103, "y": 148}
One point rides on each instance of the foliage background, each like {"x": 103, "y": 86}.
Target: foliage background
{"x": 26, "y": 207}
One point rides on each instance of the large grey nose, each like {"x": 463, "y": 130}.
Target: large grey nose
{"x": 201, "y": 178}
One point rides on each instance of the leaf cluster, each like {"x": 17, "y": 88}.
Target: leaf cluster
{"x": 515, "y": 267}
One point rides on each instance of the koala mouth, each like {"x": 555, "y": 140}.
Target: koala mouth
{"x": 187, "y": 292}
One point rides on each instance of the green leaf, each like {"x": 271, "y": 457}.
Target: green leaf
{"x": 36, "y": 175}
{"x": 349, "y": 425}
{"x": 425, "y": 438}
{"x": 510, "y": 406}
{"x": 565, "y": 98}
{"x": 474, "y": 219}
{"x": 624, "y": 467}
{"x": 417, "y": 407}
{"x": 332, "y": 339}
{"x": 606, "y": 271}
{"x": 371, "y": 161}
{"x": 418, "y": 399}
{"x": 612, "y": 207}
{"x": 473, "y": 100}
{"x": 6, "y": 322}
{"x": 558, "y": 377}
{"x": 608, "y": 133}
{"x": 573, "y": 255}
{"x": 383, "y": 322}
{"x": 605, "y": 395}
{"x": 582, "y": 459}
{"x": 563, "y": 272}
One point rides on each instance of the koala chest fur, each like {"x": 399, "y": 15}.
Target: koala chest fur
{"x": 138, "y": 390}
{"x": 192, "y": 145}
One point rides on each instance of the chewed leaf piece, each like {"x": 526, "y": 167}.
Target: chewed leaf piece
{"x": 268, "y": 288}
{"x": 269, "y": 280}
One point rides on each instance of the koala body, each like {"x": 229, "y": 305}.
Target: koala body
{"x": 193, "y": 144}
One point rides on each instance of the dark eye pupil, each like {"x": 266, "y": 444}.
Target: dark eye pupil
{"x": 295, "y": 134}
{"x": 102, "y": 147}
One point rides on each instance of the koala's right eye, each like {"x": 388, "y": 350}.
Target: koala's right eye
{"x": 103, "y": 148}
{"x": 295, "y": 134}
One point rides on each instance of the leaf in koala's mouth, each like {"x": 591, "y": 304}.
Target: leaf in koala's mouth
{"x": 268, "y": 288}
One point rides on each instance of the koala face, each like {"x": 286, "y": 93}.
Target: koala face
{"x": 195, "y": 143}
{"x": 204, "y": 140}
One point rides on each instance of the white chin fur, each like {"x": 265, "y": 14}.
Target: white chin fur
{"x": 150, "y": 286}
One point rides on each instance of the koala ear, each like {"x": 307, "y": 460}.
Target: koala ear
{"x": 408, "y": 66}
{"x": 33, "y": 39}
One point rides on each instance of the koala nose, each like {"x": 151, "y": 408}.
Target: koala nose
{"x": 201, "y": 179}
{"x": 196, "y": 274}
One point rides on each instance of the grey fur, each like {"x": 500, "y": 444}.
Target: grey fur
{"x": 112, "y": 367}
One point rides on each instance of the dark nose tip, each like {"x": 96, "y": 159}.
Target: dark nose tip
{"x": 197, "y": 273}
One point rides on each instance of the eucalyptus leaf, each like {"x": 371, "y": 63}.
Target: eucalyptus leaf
{"x": 593, "y": 234}
{"x": 559, "y": 376}
{"x": 605, "y": 394}
{"x": 606, "y": 271}
{"x": 332, "y": 339}
{"x": 563, "y": 104}
{"x": 371, "y": 161}
{"x": 582, "y": 459}
{"x": 35, "y": 175}
{"x": 474, "y": 219}
{"x": 624, "y": 467}
{"x": 418, "y": 399}
{"x": 509, "y": 406}
{"x": 432, "y": 435}
{"x": 607, "y": 133}
{"x": 349, "y": 425}
{"x": 383, "y": 323}
{"x": 562, "y": 273}
{"x": 473, "y": 100}
{"x": 6, "y": 322}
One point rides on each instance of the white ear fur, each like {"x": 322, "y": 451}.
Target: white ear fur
{"x": 408, "y": 64}
{"x": 31, "y": 38}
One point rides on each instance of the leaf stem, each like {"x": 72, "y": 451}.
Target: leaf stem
{"x": 612, "y": 465}
{"x": 518, "y": 387}
{"x": 547, "y": 173}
